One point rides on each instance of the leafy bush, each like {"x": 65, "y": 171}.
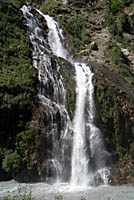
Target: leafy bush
{"x": 127, "y": 2}
{"x": 117, "y": 55}
{"x": 76, "y": 29}
{"x": 113, "y": 29}
{"x": 53, "y": 7}
{"x": 12, "y": 163}
{"x": 116, "y": 7}
{"x": 28, "y": 142}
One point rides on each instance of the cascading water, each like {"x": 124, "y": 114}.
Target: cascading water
{"x": 88, "y": 155}
{"x": 51, "y": 94}
{"x": 55, "y": 38}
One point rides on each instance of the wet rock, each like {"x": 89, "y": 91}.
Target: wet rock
{"x": 4, "y": 176}
{"x": 131, "y": 180}
{"x": 114, "y": 177}
{"x": 132, "y": 151}
{"x": 122, "y": 172}
{"x": 27, "y": 177}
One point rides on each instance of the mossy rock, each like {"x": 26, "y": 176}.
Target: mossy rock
{"x": 112, "y": 95}
{"x": 68, "y": 72}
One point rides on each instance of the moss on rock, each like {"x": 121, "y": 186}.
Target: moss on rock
{"x": 114, "y": 115}
{"x": 68, "y": 73}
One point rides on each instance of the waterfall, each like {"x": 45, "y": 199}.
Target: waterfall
{"x": 88, "y": 161}
{"x": 52, "y": 96}
{"x": 89, "y": 155}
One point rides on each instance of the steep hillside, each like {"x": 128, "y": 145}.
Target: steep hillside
{"x": 17, "y": 78}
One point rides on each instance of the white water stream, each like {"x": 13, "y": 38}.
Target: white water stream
{"x": 51, "y": 94}
{"x": 89, "y": 155}
{"x": 43, "y": 191}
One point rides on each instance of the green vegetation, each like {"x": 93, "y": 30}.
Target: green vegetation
{"x": 12, "y": 163}
{"x": 120, "y": 22}
{"x": 17, "y": 82}
{"x": 109, "y": 118}
{"x": 53, "y": 7}
{"x": 115, "y": 7}
{"x": 21, "y": 158}
{"x": 76, "y": 28}
{"x": 16, "y": 73}
{"x": 29, "y": 136}
{"x": 70, "y": 88}
{"x": 119, "y": 61}
{"x": 22, "y": 197}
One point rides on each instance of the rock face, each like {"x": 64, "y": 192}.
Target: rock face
{"x": 44, "y": 119}
{"x": 114, "y": 101}
{"x": 55, "y": 100}
{"x": 114, "y": 116}
{"x": 122, "y": 172}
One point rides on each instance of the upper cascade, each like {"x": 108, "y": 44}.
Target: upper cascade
{"x": 55, "y": 38}
{"x": 89, "y": 156}
{"x": 52, "y": 95}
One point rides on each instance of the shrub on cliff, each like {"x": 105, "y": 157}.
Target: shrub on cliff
{"x": 77, "y": 31}
{"x": 119, "y": 61}
{"x": 12, "y": 163}
{"x": 28, "y": 145}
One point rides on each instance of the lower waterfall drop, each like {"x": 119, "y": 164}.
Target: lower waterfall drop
{"x": 89, "y": 157}
{"x": 80, "y": 157}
